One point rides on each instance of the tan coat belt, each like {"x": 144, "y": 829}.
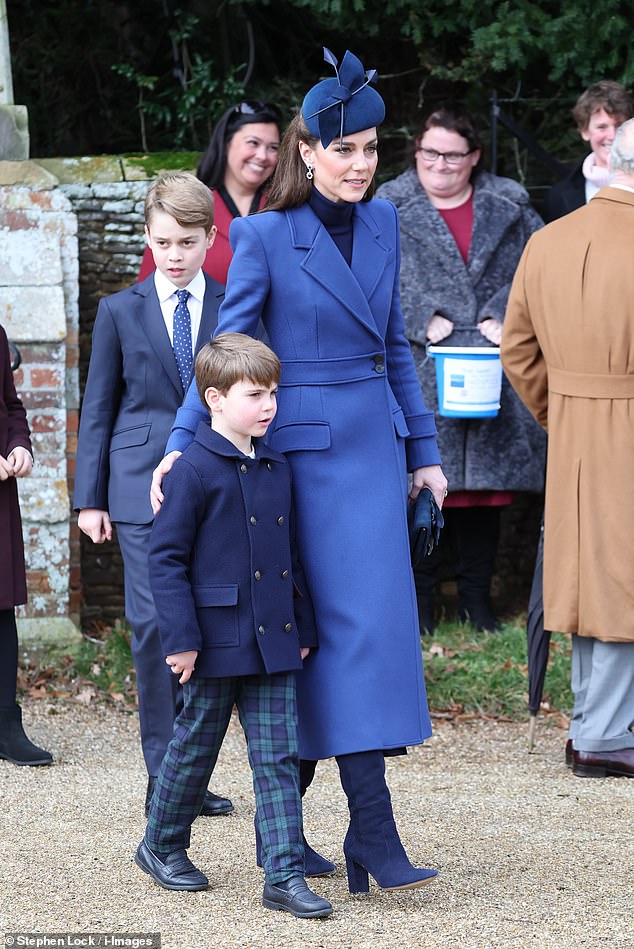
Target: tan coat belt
{"x": 591, "y": 385}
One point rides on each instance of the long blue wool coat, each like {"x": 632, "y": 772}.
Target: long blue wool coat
{"x": 351, "y": 419}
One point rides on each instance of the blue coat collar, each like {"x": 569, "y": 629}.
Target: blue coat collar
{"x": 352, "y": 286}
{"x": 214, "y": 441}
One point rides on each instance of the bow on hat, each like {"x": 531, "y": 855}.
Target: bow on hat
{"x": 344, "y": 105}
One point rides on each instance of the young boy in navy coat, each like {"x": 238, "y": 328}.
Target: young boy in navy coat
{"x": 235, "y": 621}
{"x": 144, "y": 343}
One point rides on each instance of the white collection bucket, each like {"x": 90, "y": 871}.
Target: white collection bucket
{"x": 469, "y": 380}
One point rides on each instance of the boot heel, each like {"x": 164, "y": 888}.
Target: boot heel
{"x": 358, "y": 881}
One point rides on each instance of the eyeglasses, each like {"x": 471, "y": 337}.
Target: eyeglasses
{"x": 452, "y": 158}
{"x": 256, "y": 107}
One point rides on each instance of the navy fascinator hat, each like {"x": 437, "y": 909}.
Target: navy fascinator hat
{"x": 345, "y": 104}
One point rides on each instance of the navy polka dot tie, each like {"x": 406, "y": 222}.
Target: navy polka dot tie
{"x": 182, "y": 337}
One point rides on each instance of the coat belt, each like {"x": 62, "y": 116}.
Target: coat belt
{"x": 320, "y": 372}
{"x": 591, "y": 385}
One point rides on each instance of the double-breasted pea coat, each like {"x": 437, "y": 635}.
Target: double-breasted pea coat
{"x": 488, "y": 454}
{"x": 351, "y": 420}
{"x": 224, "y": 572}
{"x": 14, "y": 433}
{"x": 568, "y": 348}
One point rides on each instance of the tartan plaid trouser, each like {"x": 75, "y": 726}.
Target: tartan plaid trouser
{"x": 268, "y": 714}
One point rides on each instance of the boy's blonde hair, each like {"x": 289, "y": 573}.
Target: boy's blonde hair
{"x": 182, "y": 196}
{"x": 232, "y": 357}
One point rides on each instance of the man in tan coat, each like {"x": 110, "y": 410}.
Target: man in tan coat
{"x": 568, "y": 350}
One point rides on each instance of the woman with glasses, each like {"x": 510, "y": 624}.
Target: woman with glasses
{"x": 239, "y": 161}
{"x": 462, "y": 233}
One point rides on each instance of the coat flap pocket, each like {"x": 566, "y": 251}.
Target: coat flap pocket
{"x": 226, "y": 595}
{"x": 399, "y": 423}
{"x": 301, "y": 436}
{"x": 130, "y": 437}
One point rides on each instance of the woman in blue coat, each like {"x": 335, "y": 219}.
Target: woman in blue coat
{"x": 320, "y": 269}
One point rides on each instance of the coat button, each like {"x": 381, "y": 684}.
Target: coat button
{"x": 269, "y": 466}
{"x": 284, "y": 574}
{"x": 253, "y": 520}
{"x": 288, "y": 627}
{"x": 261, "y": 630}
{"x": 379, "y": 363}
{"x": 257, "y": 575}
{"x": 280, "y": 520}
{"x": 243, "y": 469}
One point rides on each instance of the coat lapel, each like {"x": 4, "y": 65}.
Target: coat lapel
{"x": 151, "y": 319}
{"x": 324, "y": 263}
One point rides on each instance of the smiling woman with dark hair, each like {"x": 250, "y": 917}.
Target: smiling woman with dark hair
{"x": 237, "y": 166}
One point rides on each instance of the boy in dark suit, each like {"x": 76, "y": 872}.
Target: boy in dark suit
{"x": 235, "y": 621}
{"x": 145, "y": 340}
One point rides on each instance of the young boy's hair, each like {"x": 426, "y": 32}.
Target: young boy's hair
{"x": 182, "y": 196}
{"x": 232, "y": 357}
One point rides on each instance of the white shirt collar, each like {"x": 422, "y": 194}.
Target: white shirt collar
{"x": 613, "y": 184}
{"x": 165, "y": 288}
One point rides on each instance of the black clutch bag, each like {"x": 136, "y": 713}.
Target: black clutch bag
{"x": 425, "y": 522}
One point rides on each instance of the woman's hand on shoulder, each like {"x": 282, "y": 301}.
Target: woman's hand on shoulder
{"x": 491, "y": 329}
{"x": 439, "y": 328}
{"x": 430, "y": 477}
{"x": 156, "y": 495}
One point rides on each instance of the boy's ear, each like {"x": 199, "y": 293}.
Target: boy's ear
{"x": 147, "y": 235}
{"x": 213, "y": 398}
{"x": 211, "y": 236}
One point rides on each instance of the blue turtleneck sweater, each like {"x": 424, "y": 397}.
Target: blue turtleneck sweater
{"x": 337, "y": 219}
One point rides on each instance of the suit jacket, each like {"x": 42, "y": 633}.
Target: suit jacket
{"x": 568, "y": 349}
{"x": 132, "y": 394}
{"x": 14, "y": 433}
{"x": 223, "y": 567}
{"x": 566, "y": 195}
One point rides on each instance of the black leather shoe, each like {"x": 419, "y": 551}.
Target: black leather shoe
{"x": 568, "y": 753}
{"x": 603, "y": 764}
{"x": 293, "y": 896}
{"x": 213, "y": 806}
{"x": 175, "y": 871}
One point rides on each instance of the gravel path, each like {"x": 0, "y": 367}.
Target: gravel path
{"x": 529, "y": 855}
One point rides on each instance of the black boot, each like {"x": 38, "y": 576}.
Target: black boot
{"x": 372, "y": 844}
{"x": 475, "y": 533}
{"x": 14, "y": 745}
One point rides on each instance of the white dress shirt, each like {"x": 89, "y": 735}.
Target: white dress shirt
{"x": 166, "y": 291}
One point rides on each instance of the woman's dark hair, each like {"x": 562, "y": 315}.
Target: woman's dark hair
{"x": 289, "y": 184}
{"x": 453, "y": 119}
{"x": 211, "y": 167}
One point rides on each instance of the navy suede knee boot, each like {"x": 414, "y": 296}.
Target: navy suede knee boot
{"x": 372, "y": 844}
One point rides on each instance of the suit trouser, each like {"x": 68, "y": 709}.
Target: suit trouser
{"x": 602, "y": 679}
{"x": 267, "y": 707}
{"x": 158, "y": 690}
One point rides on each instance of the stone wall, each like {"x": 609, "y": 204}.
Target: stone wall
{"x": 38, "y": 308}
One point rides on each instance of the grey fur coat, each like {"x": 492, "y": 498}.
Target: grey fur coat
{"x": 502, "y": 453}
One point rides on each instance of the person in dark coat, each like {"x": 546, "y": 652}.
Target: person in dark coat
{"x": 143, "y": 346}
{"x": 598, "y": 112}
{"x": 236, "y": 623}
{"x": 16, "y": 461}
{"x": 320, "y": 267}
{"x": 462, "y": 234}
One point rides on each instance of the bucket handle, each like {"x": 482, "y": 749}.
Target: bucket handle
{"x": 456, "y": 326}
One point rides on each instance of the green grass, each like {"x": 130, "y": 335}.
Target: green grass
{"x": 468, "y": 674}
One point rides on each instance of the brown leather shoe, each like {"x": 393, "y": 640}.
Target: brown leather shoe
{"x": 602, "y": 764}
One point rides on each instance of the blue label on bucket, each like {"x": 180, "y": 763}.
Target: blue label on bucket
{"x": 457, "y": 382}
